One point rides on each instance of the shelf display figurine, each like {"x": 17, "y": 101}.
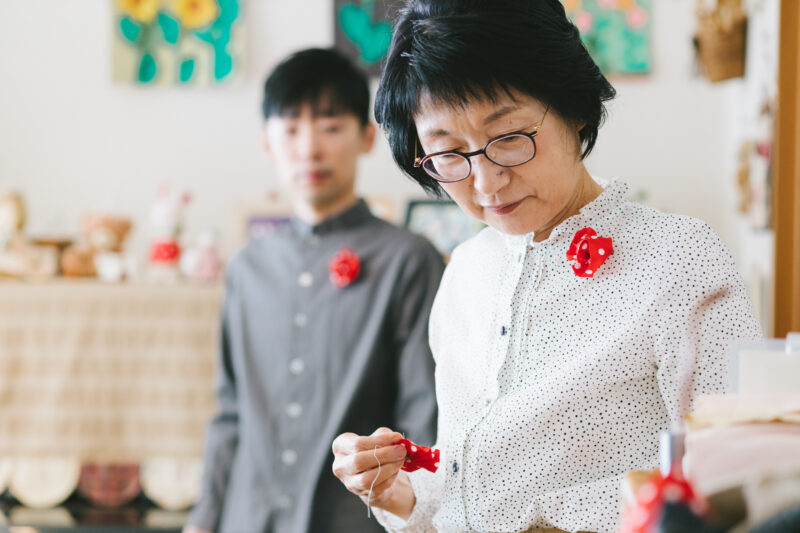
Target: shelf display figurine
{"x": 166, "y": 223}
{"x": 18, "y": 257}
{"x": 202, "y": 261}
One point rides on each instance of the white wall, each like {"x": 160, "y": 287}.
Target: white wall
{"x": 74, "y": 142}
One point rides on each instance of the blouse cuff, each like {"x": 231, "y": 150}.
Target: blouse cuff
{"x": 420, "y": 520}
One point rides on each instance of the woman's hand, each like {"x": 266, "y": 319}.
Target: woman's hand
{"x": 356, "y": 465}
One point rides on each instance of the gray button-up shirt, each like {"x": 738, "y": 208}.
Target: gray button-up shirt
{"x": 303, "y": 360}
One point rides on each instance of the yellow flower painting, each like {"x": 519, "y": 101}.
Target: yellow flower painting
{"x": 196, "y": 13}
{"x": 140, "y": 10}
{"x": 178, "y": 42}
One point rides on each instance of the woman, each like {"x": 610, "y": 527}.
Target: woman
{"x": 554, "y": 376}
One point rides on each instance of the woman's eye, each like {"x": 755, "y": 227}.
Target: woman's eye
{"x": 332, "y": 129}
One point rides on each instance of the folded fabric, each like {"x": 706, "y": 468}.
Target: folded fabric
{"x": 723, "y": 410}
{"x": 726, "y": 456}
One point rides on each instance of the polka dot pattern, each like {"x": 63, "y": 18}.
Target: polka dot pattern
{"x": 552, "y": 386}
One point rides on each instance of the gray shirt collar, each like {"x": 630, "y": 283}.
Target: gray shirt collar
{"x": 349, "y": 218}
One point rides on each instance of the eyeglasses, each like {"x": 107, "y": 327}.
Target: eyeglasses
{"x": 509, "y": 150}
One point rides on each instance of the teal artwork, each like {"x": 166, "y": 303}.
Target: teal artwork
{"x": 615, "y": 32}
{"x": 363, "y": 31}
{"x": 177, "y": 42}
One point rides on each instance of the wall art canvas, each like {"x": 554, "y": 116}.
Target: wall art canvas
{"x": 178, "y": 42}
{"x": 616, "y": 33}
{"x": 363, "y": 31}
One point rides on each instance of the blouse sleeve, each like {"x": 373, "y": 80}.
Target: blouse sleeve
{"x": 428, "y": 488}
{"x": 704, "y": 308}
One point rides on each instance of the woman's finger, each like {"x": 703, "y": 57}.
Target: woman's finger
{"x": 350, "y": 443}
{"x": 366, "y": 460}
{"x": 343, "y": 442}
{"x": 363, "y": 482}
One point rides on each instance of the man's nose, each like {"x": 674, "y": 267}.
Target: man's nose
{"x": 308, "y": 145}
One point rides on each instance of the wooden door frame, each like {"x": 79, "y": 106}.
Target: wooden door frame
{"x": 786, "y": 175}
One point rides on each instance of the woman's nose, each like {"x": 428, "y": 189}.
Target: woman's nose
{"x": 488, "y": 177}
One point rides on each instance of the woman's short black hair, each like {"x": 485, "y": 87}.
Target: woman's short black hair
{"x": 456, "y": 51}
{"x": 320, "y": 77}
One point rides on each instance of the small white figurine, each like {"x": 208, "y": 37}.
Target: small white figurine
{"x": 202, "y": 262}
{"x": 166, "y": 220}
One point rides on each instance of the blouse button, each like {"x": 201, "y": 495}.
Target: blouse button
{"x": 503, "y": 330}
{"x": 455, "y": 466}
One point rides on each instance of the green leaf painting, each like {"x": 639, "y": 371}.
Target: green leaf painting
{"x": 371, "y": 39}
{"x": 170, "y": 28}
{"x": 615, "y": 32}
{"x": 187, "y": 69}
{"x": 183, "y": 42}
{"x": 363, "y": 31}
{"x": 130, "y": 30}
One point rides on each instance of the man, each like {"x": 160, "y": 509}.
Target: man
{"x": 324, "y": 325}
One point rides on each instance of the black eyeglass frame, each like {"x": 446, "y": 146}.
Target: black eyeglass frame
{"x": 420, "y": 162}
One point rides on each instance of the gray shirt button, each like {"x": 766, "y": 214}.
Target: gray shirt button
{"x": 296, "y": 366}
{"x": 300, "y": 320}
{"x": 283, "y": 501}
{"x": 305, "y": 279}
{"x": 289, "y": 457}
{"x": 294, "y": 410}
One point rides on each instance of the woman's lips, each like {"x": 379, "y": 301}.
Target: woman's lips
{"x": 504, "y": 209}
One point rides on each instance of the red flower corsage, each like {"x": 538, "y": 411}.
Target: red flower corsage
{"x": 650, "y": 500}
{"x": 419, "y": 457}
{"x": 589, "y": 252}
{"x": 344, "y": 268}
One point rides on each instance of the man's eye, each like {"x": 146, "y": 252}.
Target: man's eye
{"x": 332, "y": 129}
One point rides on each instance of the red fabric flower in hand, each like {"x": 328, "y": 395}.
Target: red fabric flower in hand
{"x": 589, "y": 252}
{"x": 643, "y": 517}
{"x": 419, "y": 457}
{"x": 344, "y": 268}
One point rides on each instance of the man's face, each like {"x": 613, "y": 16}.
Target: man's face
{"x": 316, "y": 155}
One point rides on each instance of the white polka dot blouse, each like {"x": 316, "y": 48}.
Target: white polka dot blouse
{"x": 551, "y": 385}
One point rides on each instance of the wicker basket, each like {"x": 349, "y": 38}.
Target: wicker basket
{"x": 721, "y": 40}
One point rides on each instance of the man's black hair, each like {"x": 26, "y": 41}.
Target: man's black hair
{"x": 457, "y": 51}
{"x": 320, "y": 77}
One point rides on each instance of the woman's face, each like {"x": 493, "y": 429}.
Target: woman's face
{"x": 514, "y": 200}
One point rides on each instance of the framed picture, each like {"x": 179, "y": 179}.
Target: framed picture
{"x": 178, "y": 42}
{"x": 259, "y": 224}
{"x": 363, "y": 31}
{"x": 616, "y": 33}
{"x": 442, "y": 222}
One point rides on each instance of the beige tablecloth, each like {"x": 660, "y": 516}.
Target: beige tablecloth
{"x": 106, "y": 372}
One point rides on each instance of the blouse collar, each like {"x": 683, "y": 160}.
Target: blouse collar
{"x": 614, "y": 193}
